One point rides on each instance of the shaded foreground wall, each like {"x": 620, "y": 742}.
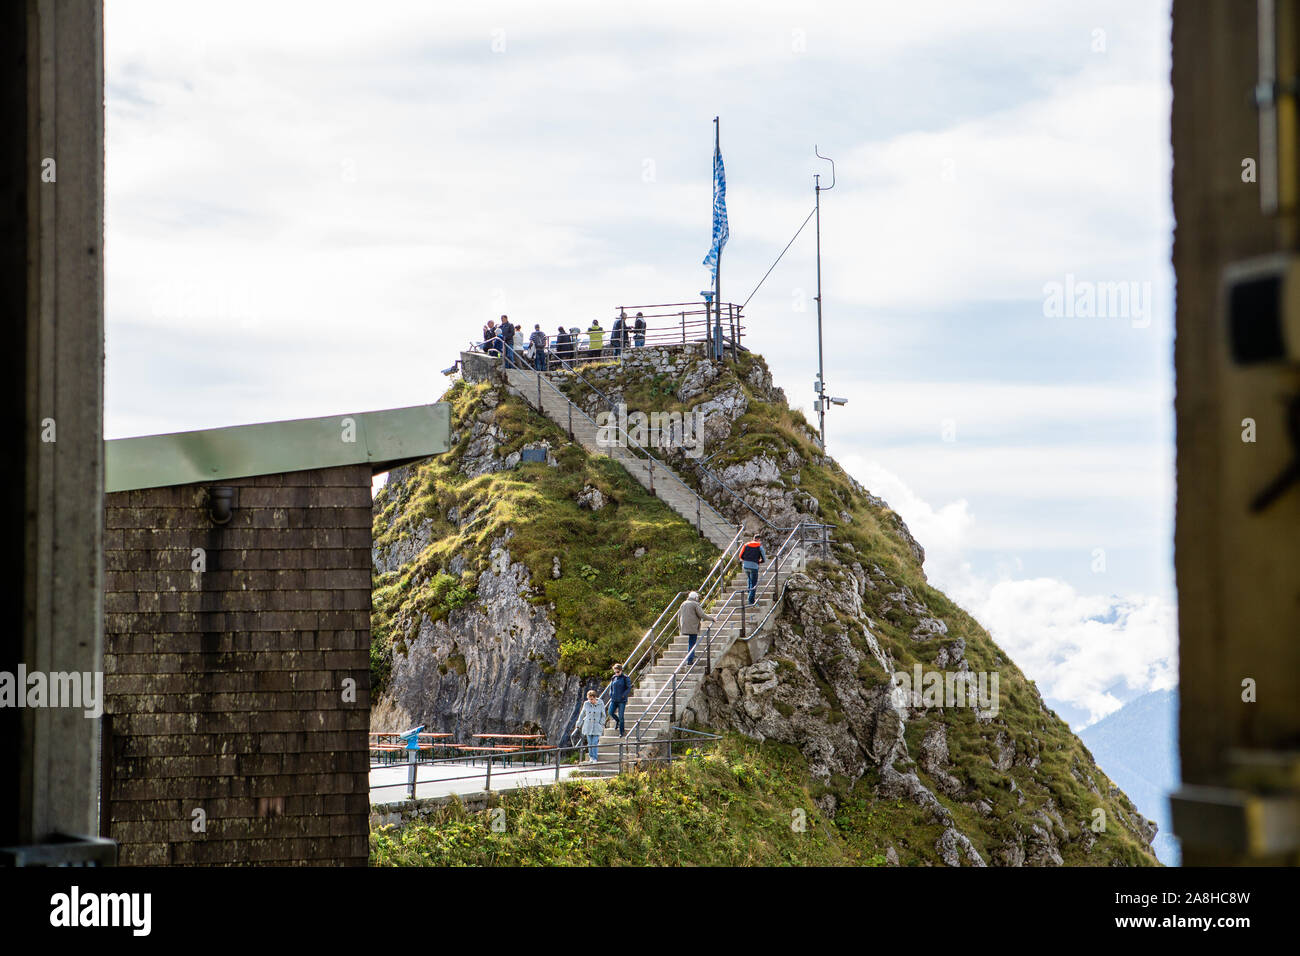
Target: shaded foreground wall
{"x": 1238, "y": 570}
{"x": 226, "y": 688}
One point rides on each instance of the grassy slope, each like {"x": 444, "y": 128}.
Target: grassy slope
{"x": 735, "y": 807}
{"x": 605, "y": 596}
{"x": 870, "y": 535}
{"x": 597, "y": 623}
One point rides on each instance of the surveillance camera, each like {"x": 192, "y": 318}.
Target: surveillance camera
{"x": 1262, "y": 309}
{"x": 839, "y": 401}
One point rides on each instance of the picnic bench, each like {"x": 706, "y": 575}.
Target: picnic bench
{"x": 525, "y": 741}
{"x": 387, "y": 750}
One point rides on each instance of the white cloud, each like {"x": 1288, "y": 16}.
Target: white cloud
{"x": 311, "y": 213}
{"x": 1091, "y": 652}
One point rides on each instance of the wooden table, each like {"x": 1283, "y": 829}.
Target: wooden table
{"x": 522, "y": 738}
{"x": 380, "y": 744}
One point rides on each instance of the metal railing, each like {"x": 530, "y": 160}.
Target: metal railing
{"x": 692, "y": 317}
{"x": 550, "y": 760}
{"x": 732, "y": 613}
{"x": 661, "y": 632}
{"x": 664, "y": 629}
{"x": 707, "y": 473}
{"x": 710, "y": 475}
{"x": 668, "y": 324}
{"x": 632, "y": 446}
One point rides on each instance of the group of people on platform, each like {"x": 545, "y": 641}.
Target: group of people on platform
{"x": 690, "y": 617}
{"x": 505, "y": 339}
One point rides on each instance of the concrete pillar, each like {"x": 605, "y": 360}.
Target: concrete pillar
{"x": 51, "y": 374}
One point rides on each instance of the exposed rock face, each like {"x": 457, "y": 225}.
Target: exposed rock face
{"x": 954, "y": 848}
{"x": 782, "y": 698}
{"x": 591, "y": 498}
{"x": 933, "y": 758}
{"x": 490, "y": 663}
{"x": 481, "y": 457}
{"x": 822, "y": 679}
{"x": 825, "y": 686}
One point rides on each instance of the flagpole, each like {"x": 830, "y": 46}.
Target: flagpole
{"x": 717, "y": 266}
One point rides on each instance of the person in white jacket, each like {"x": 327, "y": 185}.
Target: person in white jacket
{"x": 591, "y": 723}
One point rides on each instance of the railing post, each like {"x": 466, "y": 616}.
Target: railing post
{"x": 651, "y": 463}
{"x": 557, "y": 763}
{"x": 708, "y": 649}
{"x": 570, "y": 420}
{"x": 776, "y": 578}
{"x": 620, "y": 756}
{"x": 673, "y": 717}
{"x": 488, "y": 784}
{"x": 699, "y": 526}
{"x": 683, "y": 328}
{"x": 744, "y": 606}
{"x": 539, "y": 391}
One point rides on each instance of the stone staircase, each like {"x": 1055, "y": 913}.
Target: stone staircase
{"x": 657, "y": 677}
{"x": 648, "y": 691}
{"x": 655, "y": 477}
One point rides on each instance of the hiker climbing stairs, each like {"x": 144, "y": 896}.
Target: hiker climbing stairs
{"x": 650, "y": 711}
{"x": 662, "y": 682}
{"x": 540, "y": 392}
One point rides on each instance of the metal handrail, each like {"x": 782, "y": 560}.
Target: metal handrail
{"x": 651, "y": 644}
{"x": 547, "y": 757}
{"x": 655, "y": 634}
{"x": 610, "y": 404}
{"x": 632, "y": 443}
{"x": 708, "y": 472}
{"x": 648, "y": 641}
{"x": 711, "y": 475}
{"x": 669, "y": 691}
{"x": 668, "y": 333}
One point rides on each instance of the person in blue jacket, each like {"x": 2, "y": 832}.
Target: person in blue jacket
{"x": 620, "y": 688}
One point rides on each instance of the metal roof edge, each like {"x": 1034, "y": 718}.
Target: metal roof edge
{"x": 381, "y": 439}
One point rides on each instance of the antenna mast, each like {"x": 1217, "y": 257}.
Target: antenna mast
{"x": 819, "y": 386}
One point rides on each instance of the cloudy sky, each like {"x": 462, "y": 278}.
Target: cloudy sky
{"x": 308, "y": 213}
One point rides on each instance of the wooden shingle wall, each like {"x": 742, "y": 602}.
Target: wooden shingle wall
{"x": 227, "y": 701}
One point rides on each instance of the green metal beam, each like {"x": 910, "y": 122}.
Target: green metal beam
{"x": 382, "y": 439}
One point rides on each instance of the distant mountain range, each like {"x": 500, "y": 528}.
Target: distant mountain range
{"x": 1137, "y": 747}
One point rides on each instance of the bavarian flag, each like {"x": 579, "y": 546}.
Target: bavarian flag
{"x": 720, "y": 230}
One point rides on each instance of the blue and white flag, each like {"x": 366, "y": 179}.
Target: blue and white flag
{"x": 720, "y": 230}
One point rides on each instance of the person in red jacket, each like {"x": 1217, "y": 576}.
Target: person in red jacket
{"x": 751, "y": 556}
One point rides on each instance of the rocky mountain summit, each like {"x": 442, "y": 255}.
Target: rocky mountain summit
{"x": 504, "y": 587}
